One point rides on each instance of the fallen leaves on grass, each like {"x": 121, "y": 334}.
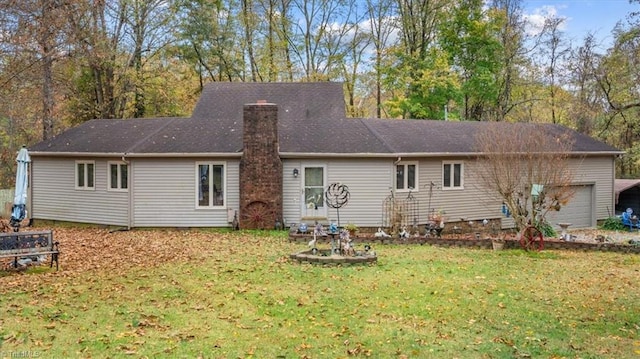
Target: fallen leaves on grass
{"x": 101, "y": 250}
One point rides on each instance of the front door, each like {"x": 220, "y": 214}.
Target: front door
{"x": 313, "y": 178}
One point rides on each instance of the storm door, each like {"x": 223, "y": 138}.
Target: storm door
{"x": 313, "y": 180}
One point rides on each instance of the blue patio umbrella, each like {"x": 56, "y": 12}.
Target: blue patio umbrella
{"x": 18, "y": 211}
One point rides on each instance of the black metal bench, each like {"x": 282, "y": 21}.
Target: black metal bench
{"x": 28, "y": 244}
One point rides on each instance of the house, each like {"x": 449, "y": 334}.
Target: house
{"x": 265, "y": 152}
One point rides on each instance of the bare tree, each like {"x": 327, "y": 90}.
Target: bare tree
{"x": 350, "y": 52}
{"x": 31, "y": 33}
{"x": 319, "y": 35}
{"x": 249, "y": 20}
{"x": 382, "y": 27}
{"x": 512, "y": 36}
{"x": 582, "y": 66}
{"x": 554, "y": 50}
{"x": 147, "y": 27}
{"x": 527, "y": 166}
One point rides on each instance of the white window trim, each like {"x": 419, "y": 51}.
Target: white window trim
{"x": 406, "y": 172}
{"x": 86, "y": 175}
{"x": 306, "y": 213}
{"x": 453, "y": 188}
{"x": 119, "y": 177}
{"x": 224, "y": 185}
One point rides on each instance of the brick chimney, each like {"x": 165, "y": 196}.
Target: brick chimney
{"x": 260, "y": 168}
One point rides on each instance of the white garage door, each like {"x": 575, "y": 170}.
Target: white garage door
{"x": 578, "y": 212}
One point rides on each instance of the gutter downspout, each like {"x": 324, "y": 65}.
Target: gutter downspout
{"x": 29, "y": 204}
{"x": 129, "y": 192}
{"x": 394, "y": 177}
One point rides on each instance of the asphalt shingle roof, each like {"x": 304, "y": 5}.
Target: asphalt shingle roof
{"x": 103, "y": 136}
{"x": 311, "y": 119}
{"x": 429, "y": 136}
{"x": 303, "y": 101}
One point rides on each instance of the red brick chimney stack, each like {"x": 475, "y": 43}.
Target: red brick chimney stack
{"x": 260, "y": 168}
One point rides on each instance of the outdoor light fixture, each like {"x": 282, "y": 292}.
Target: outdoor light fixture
{"x": 295, "y": 172}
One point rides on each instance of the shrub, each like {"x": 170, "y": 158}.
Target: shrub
{"x": 547, "y": 230}
{"x": 613, "y": 224}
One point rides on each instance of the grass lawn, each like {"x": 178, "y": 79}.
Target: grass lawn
{"x": 187, "y": 294}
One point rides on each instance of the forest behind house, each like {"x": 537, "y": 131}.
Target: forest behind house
{"x": 63, "y": 62}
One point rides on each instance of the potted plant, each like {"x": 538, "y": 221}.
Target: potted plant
{"x": 497, "y": 243}
{"x": 352, "y": 228}
{"x": 438, "y": 218}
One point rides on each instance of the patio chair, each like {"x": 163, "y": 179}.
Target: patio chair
{"x": 630, "y": 220}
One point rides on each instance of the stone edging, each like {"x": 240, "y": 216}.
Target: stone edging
{"x": 308, "y": 257}
{"x": 486, "y": 243}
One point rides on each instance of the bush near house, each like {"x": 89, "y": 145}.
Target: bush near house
{"x": 613, "y": 224}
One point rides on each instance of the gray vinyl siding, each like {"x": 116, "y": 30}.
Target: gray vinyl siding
{"x": 290, "y": 192}
{"x": 579, "y": 212}
{"x": 594, "y": 184}
{"x": 163, "y": 191}
{"x": 165, "y": 194}
{"x": 369, "y": 182}
{"x": 472, "y": 202}
{"x": 54, "y": 196}
{"x": 596, "y": 173}
{"x": 475, "y": 203}
{"x": 600, "y": 171}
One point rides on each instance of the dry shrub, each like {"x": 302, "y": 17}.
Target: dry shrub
{"x": 518, "y": 159}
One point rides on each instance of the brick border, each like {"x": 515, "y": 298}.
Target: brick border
{"x": 307, "y": 257}
{"x": 485, "y": 243}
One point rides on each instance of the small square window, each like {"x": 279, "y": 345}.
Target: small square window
{"x": 452, "y": 175}
{"x": 85, "y": 175}
{"x": 118, "y": 176}
{"x": 406, "y": 176}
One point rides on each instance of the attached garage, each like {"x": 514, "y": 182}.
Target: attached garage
{"x": 579, "y": 211}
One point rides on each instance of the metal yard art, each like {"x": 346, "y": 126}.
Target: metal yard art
{"x": 336, "y": 196}
{"x": 342, "y": 250}
{"x": 400, "y": 213}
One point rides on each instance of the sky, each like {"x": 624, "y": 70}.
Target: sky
{"x": 583, "y": 16}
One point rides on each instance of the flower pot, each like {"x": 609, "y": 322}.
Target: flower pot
{"x": 498, "y": 245}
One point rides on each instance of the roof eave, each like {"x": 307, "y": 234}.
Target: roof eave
{"x": 130, "y": 155}
{"x": 418, "y": 154}
{"x": 373, "y": 155}
{"x": 185, "y": 154}
{"x": 289, "y": 154}
{"x": 75, "y": 154}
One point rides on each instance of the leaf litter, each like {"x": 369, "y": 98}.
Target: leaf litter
{"x": 85, "y": 250}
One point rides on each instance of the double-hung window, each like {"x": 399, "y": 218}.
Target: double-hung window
{"x": 85, "y": 175}
{"x": 210, "y": 184}
{"x": 118, "y": 176}
{"x": 406, "y": 176}
{"x": 452, "y": 175}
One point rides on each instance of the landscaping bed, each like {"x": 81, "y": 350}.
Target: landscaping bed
{"x": 582, "y": 240}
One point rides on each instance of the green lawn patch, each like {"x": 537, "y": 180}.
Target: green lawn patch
{"x": 241, "y": 297}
